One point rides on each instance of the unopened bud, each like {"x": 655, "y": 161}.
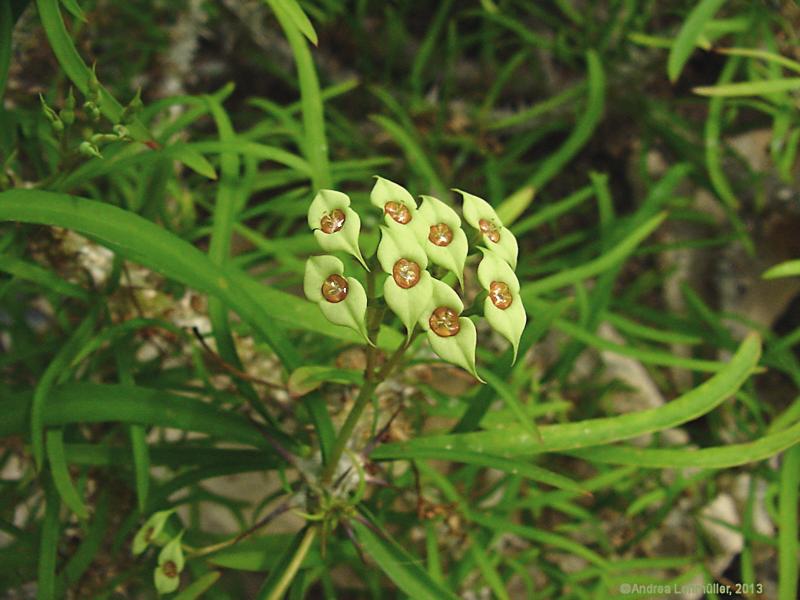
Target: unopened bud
{"x": 87, "y": 148}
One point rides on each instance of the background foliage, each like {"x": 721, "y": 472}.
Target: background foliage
{"x": 643, "y": 152}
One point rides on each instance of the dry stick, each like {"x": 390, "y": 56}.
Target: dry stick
{"x": 274, "y": 513}
{"x": 229, "y": 367}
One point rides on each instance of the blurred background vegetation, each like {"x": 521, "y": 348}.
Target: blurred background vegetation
{"x": 648, "y": 200}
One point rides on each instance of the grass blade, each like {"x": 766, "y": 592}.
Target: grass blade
{"x": 790, "y": 268}
{"x": 58, "y": 467}
{"x": 403, "y": 569}
{"x": 515, "y": 441}
{"x": 141, "y": 240}
{"x": 722, "y": 457}
{"x": 602, "y": 263}
{"x": 788, "y": 546}
{"x": 750, "y": 88}
{"x": 48, "y": 546}
{"x": 687, "y": 37}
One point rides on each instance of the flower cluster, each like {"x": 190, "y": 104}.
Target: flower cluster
{"x": 170, "y": 559}
{"x": 413, "y": 238}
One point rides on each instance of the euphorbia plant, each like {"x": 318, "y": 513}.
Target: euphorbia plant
{"x": 416, "y": 274}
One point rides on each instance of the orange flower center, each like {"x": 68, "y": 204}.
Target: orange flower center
{"x": 490, "y": 230}
{"x": 334, "y": 288}
{"x": 398, "y": 211}
{"x": 440, "y": 235}
{"x": 444, "y": 322}
{"x": 500, "y": 295}
{"x": 333, "y": 221}
{"x": 406, "y": 273}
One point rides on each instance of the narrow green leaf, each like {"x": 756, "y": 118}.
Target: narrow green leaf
{"x": 199, "y": 587}
{"x": 60, "y": 472}
{"x": 602, "y": 263}
{"x": 750, "y": 88}
{"x": 690, "y": 32}
{"x": 512, "y": 207}
{"x": 307, "y": 379}
{"x": 590, "y": 117}
{"x": 790, "y": 268}
{"x": 76, "y": 69}
{"x": 6, "y": 27}
{"x": 763, "y": 55}
{"x": 788, "y": 546}
{"x": 403, "y": 569}
{"x": 74, "y": 9}
{"x": 49, "y": 378}
{"x": 48, "y": 546}
{"x": 721, "y": 457}
{"x": 487, "y": 569}
{"x": 41, "y": 276}
{"x": 516, "y": 441}
{"x": 315, "y": 143}
{"x": 295, "y": 12}
{"x": 143, "y": 241}
{"x": 97, "y": 403}
{"x": 192, "y": 159}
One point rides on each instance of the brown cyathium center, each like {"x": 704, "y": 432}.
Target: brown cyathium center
{"x": 500, "y": 295}
{"x": 333, "y": 221}
{"x": 398, "y": 211}
{"x": 334, "y": 288}
{"x": 170, "y": 569}
{"x": 406, "y": 273}
{"x": 444, "y": 322}
{"x": 490, "y": 230}
{"x": 440, "y": 235}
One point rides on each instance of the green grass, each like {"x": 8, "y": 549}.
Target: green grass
{"x": 600, "y": 132}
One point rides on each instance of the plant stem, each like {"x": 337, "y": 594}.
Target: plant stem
{"x": 291, "y": 570}
{"x": 364, "y": 396}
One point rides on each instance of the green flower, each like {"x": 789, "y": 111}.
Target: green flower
{"x": 480, "y": 215}
{"x": 503, "y": 306}
{"x": 150, "y": 532}
{"x": 451, "y": 336}
{"x": 336, "y": 226}
{"x": 342, "y": 300}
{"x": 408, "y": 287}
{"x": 398, "y": 206}
{"x": 444, "y": 241}
{"x": 167, "y": 575}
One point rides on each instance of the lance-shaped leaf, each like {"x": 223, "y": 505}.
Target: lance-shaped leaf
{"x": 452, "y": 337}
{"x": 480, "y": 215}
{"x": 444, "y": 241}
{"x": 503, "y": 306}
{"x": 342, "y": 300}
{"x": 150, "y": 532}
{"x": 170, "y": 564}
{"x": 336, "y": 226}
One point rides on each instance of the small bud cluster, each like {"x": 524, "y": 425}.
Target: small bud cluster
{"x": 62, "y": 121}
{"x": 413, "y": 238}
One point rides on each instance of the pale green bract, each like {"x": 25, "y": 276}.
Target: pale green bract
{"x": 408, "y": 304}
{"x": 351, "y": 311}
{"x": 346, "y": 239}
{"x": 385, "y": 191}
{"x": 167, "y": 577}
{"x": 150, "y": 532}
{"x": 476, "y": 210}
{"x": 453, "y": 256}
{"x": 458, "y": 349}
{"x": 508, "y": 322}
